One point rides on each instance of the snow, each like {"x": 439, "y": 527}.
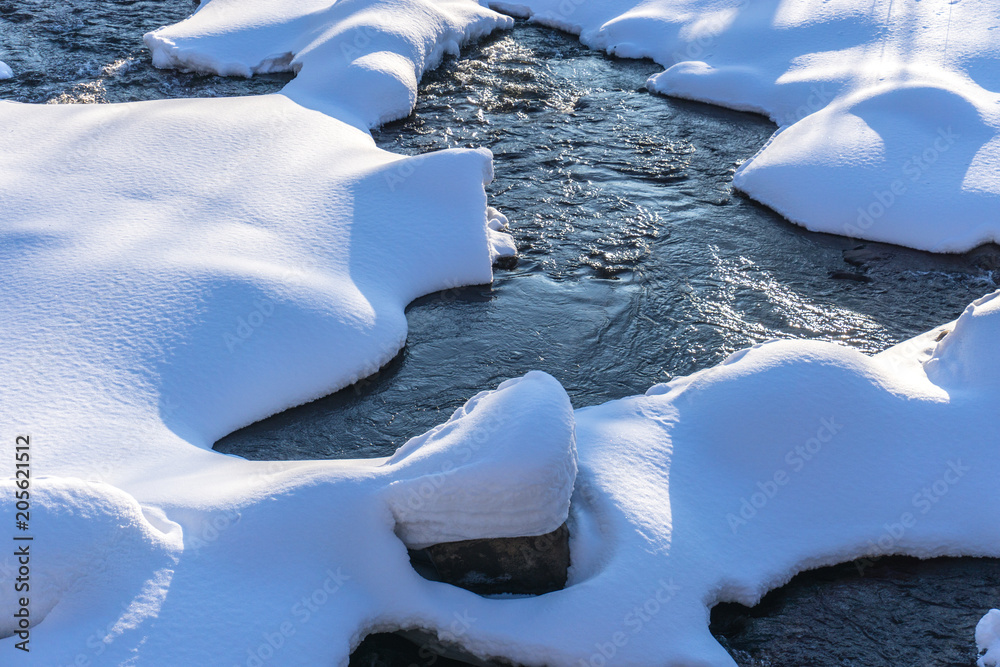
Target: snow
{"x": 888, "y": 113}
{"x": 5, "y": 71}
{"x": 336, "y": 49}
{"x": 988, "y": 639}
{"x": 175, "y": 270}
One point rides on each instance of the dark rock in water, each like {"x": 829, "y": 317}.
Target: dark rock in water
{"x": 883, "y": 612}
{"x": 518, "y": 565}
{"x": 386, "y": 649}
{"x": 850, "y": 275}
{"x": 505, "y": 262}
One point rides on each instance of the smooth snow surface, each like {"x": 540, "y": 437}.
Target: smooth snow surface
{"x": 5, "y": 71}
{"x": 988, "y": 639}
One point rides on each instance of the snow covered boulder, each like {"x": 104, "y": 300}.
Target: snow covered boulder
{"x": 5, "y": 71}
{"x": 503, "y": 466}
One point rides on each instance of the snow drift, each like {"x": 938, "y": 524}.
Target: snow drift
{"x": 5, "y": 71}
{"x": 352, "y": 61}
{"x": 174, "y": 270}
{"x": 889, "y": 113}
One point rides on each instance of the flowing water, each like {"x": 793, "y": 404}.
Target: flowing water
{"x": 638, "y": 263}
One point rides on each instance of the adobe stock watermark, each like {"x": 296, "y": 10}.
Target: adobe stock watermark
{"x": 431, "y": 485}
{"x": 434, "y": 647}
{"x": 246, "y": 325}
{"x": 914, "y": 167}
{"x": 795, "y": 461}
{"x": 634, "y": 622}
{"x": 923, "y": 501}
{"x": 301, "y": 613}
{"x": 708, "y": 32}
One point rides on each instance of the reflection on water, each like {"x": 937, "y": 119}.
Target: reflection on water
{"x": 85, "y": 52}
{"x": 638, "y": 262}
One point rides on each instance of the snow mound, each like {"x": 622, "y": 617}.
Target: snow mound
{"x": 338, "y": 50}
{"x": 722, "y": 485}
{"x": 889, "y": 112}
{"x": 5, "y": 71}
{"x": 964, "y": 359}
{"x": 988, "y": 639}
{"x": 253, "y": 560}
{"x": 912, "y": 163}
{"x": 214, "y": 231}
{"x": 96, "y": 555}
{"x": 509, "y": 473}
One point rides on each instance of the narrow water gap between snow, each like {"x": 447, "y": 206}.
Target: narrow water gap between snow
{"x": 638, "y": 263}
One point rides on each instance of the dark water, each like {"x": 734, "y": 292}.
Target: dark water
{"x": 637, "y": 264}
{"x": 892, "y": 612}
{"x": 91, "y": 51}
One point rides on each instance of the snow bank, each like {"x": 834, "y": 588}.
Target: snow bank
{"x": 988, "y": 639}
{"x": 176, "y": 269}
{"x": 351, "y": 62}
{"x": 5, "y": 71}
{"x": 889, "y": 112}
{"x": 214, "y": 232}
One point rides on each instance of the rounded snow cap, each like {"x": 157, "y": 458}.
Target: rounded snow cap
{"x": 968, "y": 357}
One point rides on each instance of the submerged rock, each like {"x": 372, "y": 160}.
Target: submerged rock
{"x": 515, "y": 565}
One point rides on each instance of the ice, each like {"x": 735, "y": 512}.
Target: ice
{"x": 988, "y": 639}
{"x": 5, "y": 71}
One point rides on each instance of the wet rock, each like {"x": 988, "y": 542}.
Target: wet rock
{"x": 518, "y": 565}
{"x": 410, "y": 649}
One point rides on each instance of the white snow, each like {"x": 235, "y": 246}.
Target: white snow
{"x": 5, "y": 71}
{"x": 352, "y": 62}
{"x": 988, "y": 639}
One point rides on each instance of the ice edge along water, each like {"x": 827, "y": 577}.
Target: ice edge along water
{"x": 135, "y": 341}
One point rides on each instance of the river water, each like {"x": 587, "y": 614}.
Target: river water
{"x": 638, "y": 263}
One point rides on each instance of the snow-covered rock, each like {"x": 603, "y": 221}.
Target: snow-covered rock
{"x": 988, "y": 639}
{"x": 519, "y": 484}
{"x": 5, "y": 71}
{"x": 351, "y": 62}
